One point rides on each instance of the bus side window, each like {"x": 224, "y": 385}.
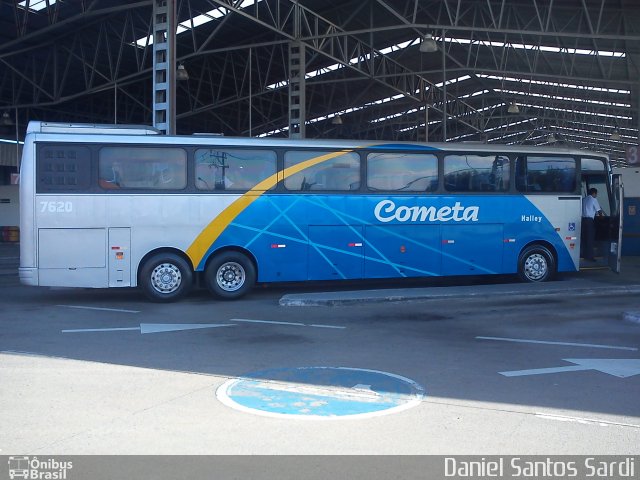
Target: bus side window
{"x": 476, "y": 173}
{"x": 142, "y": 168}
{"x": 232, "y": 169}
{"x": 335, "y": 173}
{"x": 402, "y": 172}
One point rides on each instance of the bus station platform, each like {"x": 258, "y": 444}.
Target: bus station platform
{"x": 589, "y": 281}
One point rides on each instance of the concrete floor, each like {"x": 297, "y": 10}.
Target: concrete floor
{"x": 117, "y": 390}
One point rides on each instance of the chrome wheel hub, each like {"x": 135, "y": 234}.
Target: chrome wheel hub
{"x": 166, "y": 278}
{"x": 230, "y": 276}
{"x": 535, "y": 267}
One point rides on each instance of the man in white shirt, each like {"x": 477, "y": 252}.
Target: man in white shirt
{"x": 590, "y": 208}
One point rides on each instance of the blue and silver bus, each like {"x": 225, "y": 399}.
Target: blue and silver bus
{"x": 122, "y": 206}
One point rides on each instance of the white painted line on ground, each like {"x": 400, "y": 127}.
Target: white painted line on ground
{"x": 83, "y": 330}
{"x": 569, "y": 344}
{"x": 177, "y": 327}
{"x": 120, "y": 310}
{"x": 145, "y": 328}
{"x": 544, "y": 371}
{"x": 586, "y": 421}
{"x": 266, "y": 321}
{"x": 618, "y": 367}
{"x": 295, "y": 324}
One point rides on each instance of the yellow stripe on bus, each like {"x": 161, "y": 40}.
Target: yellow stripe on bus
{"x": 198, "y": 249}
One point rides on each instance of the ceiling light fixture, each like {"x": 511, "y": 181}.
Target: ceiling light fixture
{"x": 181, "y": 73}
{"x": 428, "y": 44}
{"x": 513, "y": 108}
{"x": 6, "y": 119}
{"x": 615, "y": 135}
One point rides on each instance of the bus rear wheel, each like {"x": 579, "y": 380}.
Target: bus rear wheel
{"x": 230, "y": 275}
{"x": 166, "y": 277}
{"x": 536, "y": 264}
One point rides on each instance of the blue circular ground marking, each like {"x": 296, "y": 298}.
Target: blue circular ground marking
{"x": 321, "y": 392}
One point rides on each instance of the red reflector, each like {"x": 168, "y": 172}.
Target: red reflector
{"x": 115, "y": 248}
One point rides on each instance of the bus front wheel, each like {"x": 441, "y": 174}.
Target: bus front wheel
{"x": 536, "y": 264}
{"x": 166, "y": 277}
{"x": 230, "y": 275}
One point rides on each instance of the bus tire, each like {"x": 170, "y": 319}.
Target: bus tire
{"x": 166, "y": 277}
{"x": 536, "y": 264}
{"x": 230, "y": 275}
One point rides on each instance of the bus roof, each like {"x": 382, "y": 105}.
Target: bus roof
{"x": 95, "y": 133}
{"x": 90, "y": 128}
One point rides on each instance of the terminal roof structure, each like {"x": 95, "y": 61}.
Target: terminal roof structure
{"x": 494, "y": 71}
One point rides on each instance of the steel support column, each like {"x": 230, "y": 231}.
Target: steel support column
{"x": 164, "y": 66}
{"x": 297, "y": 99}
{"x": 444, "y": 87}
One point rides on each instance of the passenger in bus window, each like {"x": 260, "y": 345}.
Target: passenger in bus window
{"x": 114, "y": 179}
{"x": 590, "y": 208}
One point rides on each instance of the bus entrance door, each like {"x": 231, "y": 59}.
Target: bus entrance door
{"x": 615, "y": 245}
{"x": 119, "y": 257}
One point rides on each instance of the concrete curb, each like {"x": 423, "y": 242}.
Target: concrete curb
{"x": 439, "y": 293}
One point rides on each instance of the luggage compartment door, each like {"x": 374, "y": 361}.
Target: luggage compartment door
{"x": 72, "y": 257}
{"x": 336, "y": 252}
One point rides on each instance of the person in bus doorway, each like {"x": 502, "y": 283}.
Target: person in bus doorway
{"x": 590, "y": 208}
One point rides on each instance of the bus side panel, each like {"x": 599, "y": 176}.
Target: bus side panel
{"x": 402, "y": 251}
{"x": 298, "y": 237}
{"x": 563, "y": 215}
